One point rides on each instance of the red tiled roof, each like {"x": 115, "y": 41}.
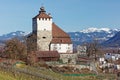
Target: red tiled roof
{"x": 58, "y": 33}
{"x": 61, "y": 40}
{"x": 42, "y": 14}
{"x": 47, "y": 54}
{"x": 83, "y": 59}
{"x": 59, "y": 36}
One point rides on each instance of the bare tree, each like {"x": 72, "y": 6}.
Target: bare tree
{"x": 118, "y": 51}
{"x": 92, "y": 49}
{"x": 15, "y": 49}
{"x": 31, "y": 43}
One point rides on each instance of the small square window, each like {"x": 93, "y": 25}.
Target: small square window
{"x": 59, "y": 47}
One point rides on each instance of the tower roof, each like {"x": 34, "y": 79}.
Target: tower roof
{"x": 42, "y": 14}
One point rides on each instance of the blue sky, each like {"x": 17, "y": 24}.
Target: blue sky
{"x": 70, "y": 15}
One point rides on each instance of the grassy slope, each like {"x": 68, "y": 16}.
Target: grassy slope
{"x": 8, "y": 75}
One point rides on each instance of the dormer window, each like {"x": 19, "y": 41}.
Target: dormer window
{"x": 61, "y": 41}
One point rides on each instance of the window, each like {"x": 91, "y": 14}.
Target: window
{"x": 68, "y": 47}
{"x": 55, "y": 45}
{"x": 59, "y": 48}
{"x": 54, "y": 48}
{"x": 44, "y": 29}
{"x": 60, "y": 40}
{"x": 43, "y": 37}
{"x": 68, "y": 44}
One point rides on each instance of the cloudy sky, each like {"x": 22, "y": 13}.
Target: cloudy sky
{"x": 70, "y": 15}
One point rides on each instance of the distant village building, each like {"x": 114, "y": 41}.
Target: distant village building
{"x": 112, "y": 56}
{"x": 81, "y": 50}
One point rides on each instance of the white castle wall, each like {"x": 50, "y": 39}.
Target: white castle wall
{"x": 43, "y": 27}
{"x": 44, "y": 24}
{"x": 62, "y": 48}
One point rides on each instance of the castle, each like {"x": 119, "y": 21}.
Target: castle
{"x": 48, "y": 36}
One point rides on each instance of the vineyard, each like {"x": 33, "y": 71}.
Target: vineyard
{"x": 31, "y": 73}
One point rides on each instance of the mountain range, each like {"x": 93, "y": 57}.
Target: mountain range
{"x": 17, "y": 34}
{"x": 114, "y": 41}
{"x": 102, "y": 35}
{"x": 90, "y": 34}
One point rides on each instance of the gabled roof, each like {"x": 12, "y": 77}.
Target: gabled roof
{"x": 42, "y": 14}
{"x": 59, "y": 36}
{"x": 58, "y": 33}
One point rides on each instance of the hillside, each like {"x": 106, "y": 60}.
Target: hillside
{"x": 114, "y": 41}
{"x": 17, "y": 34}
{"x": 90, "y": 34}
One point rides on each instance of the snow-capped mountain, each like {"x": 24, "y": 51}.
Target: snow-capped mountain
{"x": 17, "y": 34}
{"x": 90, "y": 34}
{"x": 107, "y": 30}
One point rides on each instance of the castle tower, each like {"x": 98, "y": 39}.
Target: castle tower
{"x": 42, "y": 27}
{"x": 47, "y": 36}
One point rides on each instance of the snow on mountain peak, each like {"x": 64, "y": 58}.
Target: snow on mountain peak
{"x": 105, "y": 29}
{"x": 13, "y": 34}
{"x": 96, "y": 30}
{"x": 116, "y": 29}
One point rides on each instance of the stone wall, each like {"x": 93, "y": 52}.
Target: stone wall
{"x": 68, "y": 58}
{"x": 43, "y": 40}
